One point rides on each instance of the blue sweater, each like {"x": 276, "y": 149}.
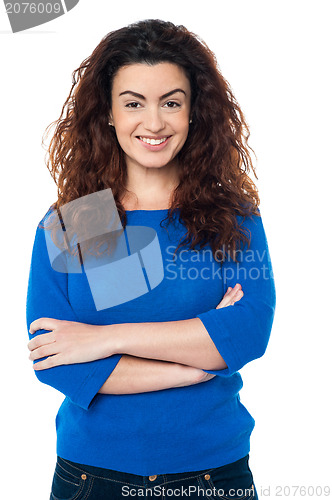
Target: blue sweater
{"x": 174, "y": 430}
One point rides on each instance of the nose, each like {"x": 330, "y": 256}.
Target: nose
{"x": 153, "y": 120}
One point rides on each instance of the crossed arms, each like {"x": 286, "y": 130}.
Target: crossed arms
{"x": 157, "y": 355}
{"x": 139, "y": 357}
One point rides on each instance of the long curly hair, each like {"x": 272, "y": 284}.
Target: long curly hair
{"x": 84, "y": 155}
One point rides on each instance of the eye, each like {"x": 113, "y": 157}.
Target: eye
{"x": 172, "y": 104}
{"x": 132, "y": 105}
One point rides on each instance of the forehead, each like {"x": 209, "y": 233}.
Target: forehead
{"x": 154, "y": 80}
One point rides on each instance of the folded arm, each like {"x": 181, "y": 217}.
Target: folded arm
{"x": 81, "y": 380}
{"x": 134, "y": 375}
{"x": 47, "y": 296}
{"x": 219, "y": 340}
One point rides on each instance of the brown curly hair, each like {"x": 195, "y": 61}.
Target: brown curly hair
{"x": 214, "y": 163}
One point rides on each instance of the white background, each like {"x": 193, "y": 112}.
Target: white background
{"x": 276, "y": 56}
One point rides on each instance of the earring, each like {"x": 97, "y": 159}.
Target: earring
{"x": 110, "y": 124}
{"x": 190, "y": 121}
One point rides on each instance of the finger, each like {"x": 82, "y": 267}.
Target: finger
{"x": 227, "y": 298}
{"x": 233, "y": 291}
{"x": 238, "y": 296}
{"x": 49, "y": 362}
{"x": 39, "y": 340}
{"x": 231, "y": 296}
{"x": 44, "y": 351}
{"x": 43, "y": 324}
{"x": 226, "y": 301}
{"x": 237, "y": 287}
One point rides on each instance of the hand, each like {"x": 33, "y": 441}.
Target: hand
{"x": 68, "y": 342}
{"x": 231, "y": 296}
{"x": 207, "y": 376}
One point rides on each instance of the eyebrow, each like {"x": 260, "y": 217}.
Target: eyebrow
{"x": 140, "y": 96}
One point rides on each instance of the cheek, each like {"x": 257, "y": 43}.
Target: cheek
{"x": 181, "y": 124}
{"x": 183, "y": 131}
{"x": 124, "y": 131}
{"x": 125, "y": 128}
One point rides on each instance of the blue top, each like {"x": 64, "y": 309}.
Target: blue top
{"x": 173, "y": 430}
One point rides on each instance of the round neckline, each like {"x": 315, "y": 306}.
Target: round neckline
{"x": 141, "y": 210}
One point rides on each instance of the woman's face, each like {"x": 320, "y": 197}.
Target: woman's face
{"x": 150, "y": 112}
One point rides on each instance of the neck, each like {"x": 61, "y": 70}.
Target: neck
{"x": 150, "y": 188}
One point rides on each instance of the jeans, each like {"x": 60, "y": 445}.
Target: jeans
{"x": 74, "y": 481}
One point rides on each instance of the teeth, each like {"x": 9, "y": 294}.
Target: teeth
{"x": 154, "y": 142}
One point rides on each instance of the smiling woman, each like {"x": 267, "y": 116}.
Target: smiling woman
{"x": 152, "y": 384}
{"x": 151, "y": 123}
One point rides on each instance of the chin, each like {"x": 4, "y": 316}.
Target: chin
{"x": 154, "y": 164}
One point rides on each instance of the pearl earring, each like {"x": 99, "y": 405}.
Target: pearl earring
{"x": 190, "y": 121}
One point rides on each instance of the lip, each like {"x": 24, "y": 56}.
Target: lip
{"x": 154, "y": 147}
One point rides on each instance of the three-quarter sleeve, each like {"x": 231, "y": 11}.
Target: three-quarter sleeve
{"x": 241, "y": 332}
{"x": 47, "y": 296}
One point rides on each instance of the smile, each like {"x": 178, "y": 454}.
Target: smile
{"x": 153, "y": 144}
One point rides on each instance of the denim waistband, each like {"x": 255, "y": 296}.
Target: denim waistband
{"x": 77, "y": 470}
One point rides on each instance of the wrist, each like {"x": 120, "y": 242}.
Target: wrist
{"x": 113, "y": 339}
{"x": 191, "y": 374}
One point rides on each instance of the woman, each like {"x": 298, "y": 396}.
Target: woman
{"x": 152, "y": 386}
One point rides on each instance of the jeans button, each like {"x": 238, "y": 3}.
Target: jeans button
{"x": 153, "y": 478}
{"x": 207, "y": 476}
